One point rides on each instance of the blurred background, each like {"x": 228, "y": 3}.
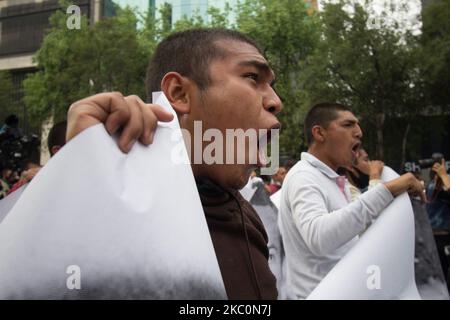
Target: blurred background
{"x": 389, "y": 60}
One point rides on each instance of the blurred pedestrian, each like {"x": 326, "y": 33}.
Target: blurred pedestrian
{"x": 363, "y": 175}
{"x": 438, "y": 208}
{"x": 56, "y": 140}
{"x": 5, "y": 177}
{"x": 277, "y": 180}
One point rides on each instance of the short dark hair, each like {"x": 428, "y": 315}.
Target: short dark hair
{"x": 57, "y": 135}
{"x": 321, "y": 114}
{"x": 190, "y": 53}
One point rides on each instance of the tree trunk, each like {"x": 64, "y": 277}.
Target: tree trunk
{"x": 379, "y": 122}
{"x": 404, "y": 140}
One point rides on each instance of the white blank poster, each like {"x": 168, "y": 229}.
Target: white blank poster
{"x": 96, "y": 223}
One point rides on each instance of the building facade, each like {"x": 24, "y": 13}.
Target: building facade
{"x": 23, "y": 24}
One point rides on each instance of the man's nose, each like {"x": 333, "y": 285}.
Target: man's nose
{"x": 358, "y": 132}
{"x": 272, "y": 101}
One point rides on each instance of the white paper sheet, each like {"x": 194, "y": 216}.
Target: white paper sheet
{"x": 276, "y": 199}
{"x": 8, "y": 202}
{"x": 381, "y": 264}
{"x": 250, "y": 188}
{"x": 115, "y": 225}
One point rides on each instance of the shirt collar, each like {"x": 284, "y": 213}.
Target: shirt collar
{"x": 322, "y": 167}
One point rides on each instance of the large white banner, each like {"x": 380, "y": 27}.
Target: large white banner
{"x": 97, "y": 223}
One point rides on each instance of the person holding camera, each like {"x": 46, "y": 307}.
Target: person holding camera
{"x": 438, "y": 196}
{"x": 438, "y": 208}
{"x": 56, "y": 140}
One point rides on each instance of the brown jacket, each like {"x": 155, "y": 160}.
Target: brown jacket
{"x": 240, "y": 243}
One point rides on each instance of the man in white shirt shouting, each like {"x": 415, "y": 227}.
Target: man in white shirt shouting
{"x": 318, "y": 221}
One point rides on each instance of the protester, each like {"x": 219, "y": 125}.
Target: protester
{"x": 11, "y": 126}
{"x": 56, "y": 140}
{"x": 363, "y": 174}
{"x": 57, "y": 137}
{"x": 288, "y": 164}
{"x": 318, "y": 222}
{"x": 30, "y": 170}
{"x": 277, "y": 180}
{"x": 4, "y": 181}
{"x": 221, "y": 78}
{"x": 268, "y": 213}
{"x": 438, "y": 208}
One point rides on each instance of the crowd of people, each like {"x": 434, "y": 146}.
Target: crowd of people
{"x": 20, "y": 164}
{"x": 328, "y": 198}
{"x": 18, "y": 154}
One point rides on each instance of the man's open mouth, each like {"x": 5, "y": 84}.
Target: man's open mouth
{"x": 355, "y": 149}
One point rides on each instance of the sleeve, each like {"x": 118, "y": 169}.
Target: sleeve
{"x": 323, "y": 231}
{"x": 16, "y": 186}
{"x": 354, "y": 191}
{"x": 374, "y": 182}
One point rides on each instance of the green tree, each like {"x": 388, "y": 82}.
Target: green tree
{"x": 185, "y": 23}
{"x": 368, "y": 65}
{"x": 218, "y": 18}
{"x": 73, "y": 64}
{"x": 57, "y": 81}
{"x": 435, "y": 42}
{"x": 166, "y": 19}
{"x": 288, "y": 35}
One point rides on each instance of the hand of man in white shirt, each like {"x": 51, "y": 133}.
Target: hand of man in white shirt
{"x": 376, "y": 168}
{"x": 406, "y": 182}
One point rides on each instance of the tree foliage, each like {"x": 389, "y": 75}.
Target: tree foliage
{"x": 435, "y": 42}
{"x": 288, "y": 35}
{"x": 373, "y": 69}
{"x": 73, "y": 64}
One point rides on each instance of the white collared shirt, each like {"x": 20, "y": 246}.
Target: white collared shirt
{"x": 317, "y": 223}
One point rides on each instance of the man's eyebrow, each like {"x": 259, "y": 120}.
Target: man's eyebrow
{"x": 352, "y": 121}
{"x": 260, "y": 65}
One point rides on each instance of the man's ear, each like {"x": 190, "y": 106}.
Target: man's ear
{"x": 318, "y": 133}
{"x": 176, "y": 88}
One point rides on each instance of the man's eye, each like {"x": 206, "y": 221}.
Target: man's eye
{"x": 252, "y": 76}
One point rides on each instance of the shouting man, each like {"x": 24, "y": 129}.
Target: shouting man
{"x": 319, "y": 223}
{"x": 221, "y": 78}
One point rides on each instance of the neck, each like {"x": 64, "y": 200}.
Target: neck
{"x": 322, "y": 155}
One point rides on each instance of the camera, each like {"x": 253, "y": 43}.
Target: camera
{"x": 14, "y": 149}
{"x": 428, "y": 163}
